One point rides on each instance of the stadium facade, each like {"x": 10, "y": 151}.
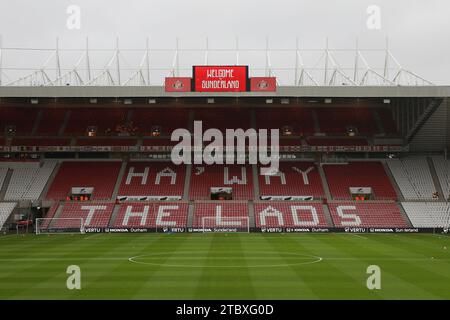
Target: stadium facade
{"x": 353, "y": 158}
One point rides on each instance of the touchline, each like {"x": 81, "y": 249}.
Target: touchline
{"x": 234, "y": 145}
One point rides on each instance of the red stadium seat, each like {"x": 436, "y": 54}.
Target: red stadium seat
{"x": 151, "y": 215}
{"x": 153, "y": 179}
{"x": 101, "y": 176}
{"x": 223, "y": 118}
{"x": 341, "y": 177}
{"x": 336, "y": 120}
{"x": 356, "y": 214}
{"x": 167, "y": 119}
{"x": 387, "y": 120}
{"x": 294, "y": 179}
{"x": 204, "y": 177}
{"x": 336, "y": 142}
{"x": 105, "y": 142}
{"x": 299, "y": 119}
{"x": 50, "y": 214}
{"x": 221, "y": 214}
{"x": 94, "y": 214}
{"x": 81, "y": 119}
{"x": 289, "y": 214}
{"x": 22, "y": 118}
{"x": 51, "y": 121}
{"x": 40, "y": 142}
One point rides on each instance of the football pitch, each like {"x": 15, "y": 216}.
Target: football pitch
{"x": 225, "y": 266}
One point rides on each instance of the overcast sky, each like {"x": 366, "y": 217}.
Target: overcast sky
{"x": 419, "y": 30}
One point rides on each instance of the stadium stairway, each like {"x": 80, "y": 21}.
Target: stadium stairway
{"x": 393, "y": 181}
{"x": 378, "y": 122}
{"x": 251, "y": 215}
{"x": 57, "y": 214}
{"x": 129, "y": 115}
{"x": 64, "y": 123}
{"x": 187, "y": 182}
{"x": 405, "y": 215}
{"x": 5, "y": 185}
{"x": 37, "y": 122}
{"x": 256, "y": 194}
{"x": 323, "y": 179}
{"x": 190, "y": 218}
{"x": 316, "y": 121}
{"x": 327, "y": 214}
{"x": 435, "y": 178}
{"x": 113, "y": 217}
{"x": 119, "y": 180}
{"x": 50, "y": 181}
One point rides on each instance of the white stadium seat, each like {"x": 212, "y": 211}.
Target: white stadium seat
{"x": 28, "y": 179}
{"x": 3, "y": 172}
{"x": 428, "y": 214}
{"x": 6, "y": 208}
{"x": 413, "y": 177}
{"x": 442, "y": 167}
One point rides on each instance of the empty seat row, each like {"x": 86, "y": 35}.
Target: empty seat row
{"x": 442, "y": 167}
{"x": 231, "y": 214}
{"x": 428, "y": 214}
{"x": 342, "y": 177}
{"x": 28, "y": 179}
{"x": 413, "y": 177}
{"x": 6, "y": 208}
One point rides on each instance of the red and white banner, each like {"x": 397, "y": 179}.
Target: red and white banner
{"x": 266, "y": 84}
{"x": 220, "y": 78}
{"x": 178, "y": 84}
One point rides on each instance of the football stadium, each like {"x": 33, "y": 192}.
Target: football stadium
{"x": 224, "y": 176}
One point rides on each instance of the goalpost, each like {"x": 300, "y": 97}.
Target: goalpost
{"x": 60, "y": 226}
{"x": 225, "y": 224}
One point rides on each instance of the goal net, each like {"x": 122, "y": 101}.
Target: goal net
{"x": 225, "y": 224}
{"x": 59, "y": 225}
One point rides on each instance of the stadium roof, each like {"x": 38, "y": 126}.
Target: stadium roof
{"x": 282, "y": 91}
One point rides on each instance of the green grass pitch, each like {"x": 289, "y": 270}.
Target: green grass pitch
{"x": 225, "y": 266}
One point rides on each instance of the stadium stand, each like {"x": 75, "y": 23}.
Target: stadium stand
{"x": 204, "y": 177}
{"x": 21, "y": 118}
{"x": 51, "y": 121}
{"x": 159, "y": 179}
{"x": 223, "y": 118}
{"x": 49, "y": 216}
{"x": 28, "y": 142}
{"x": 158, "y": 142}
{"x": 6, "y": 208}
{"x": 341, "y": 177}
{"x": 312, "y": 141}
{"x": 293, "y": 179}
{"x": 442, "y": 167}
{"x": 28, "y": 179}
{"x": 94, "y": 214}
{"x": 299, "y": 119}
{"x": 3, "y": 173}
{"x": 167, "y": 119}
{"x": 289, "y": 214}
{"x": 337, "y": 120}
{"x": 428, "y": 214}
{"x": 413, "y": 177}
{"x": 99, "y": 175}
{"x": 151, "y": 215}
{"x": 81, "y": 119}
{"x": 105, "y": 142}
{"x": 356, "y": 214}
{"x": 221, "y": 214}
{"x": 387, "y": 120}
